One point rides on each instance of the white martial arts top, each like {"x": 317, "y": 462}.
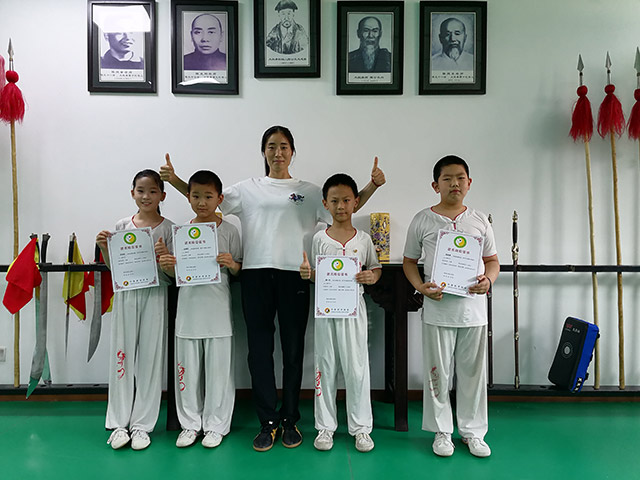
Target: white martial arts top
{"x": 204, "y": 311}
{"x": 163, "y": 229}
{"x": 452, "y": 310}
{"x": 360, "y": 245}
{"x": 278, "y": 218}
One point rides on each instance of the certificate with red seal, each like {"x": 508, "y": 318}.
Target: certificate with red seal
{"x": 337, "y": 292}
{"x": 196, "y": 247}
{"x": 133, "y": 260}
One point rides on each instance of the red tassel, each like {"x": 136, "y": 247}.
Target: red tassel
{"x": 11, "y": 101}
{"x": 610, "y": 116}
{"x": 634, "y": 118}
{"x": 582, "y": 118}
{"x": 2, "y": 80}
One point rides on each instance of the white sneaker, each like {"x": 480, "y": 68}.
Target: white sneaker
{"x": 324, "y": 440}
{"x": 211, "y": 439}
{"x": 140, "y": 440}
{"x": 364, "y": 443}
{"x": 477, "y": 446}
{"x": 186, "y": 438}
{"x": 118, "y": 438}
{"x": 442, "y": 445}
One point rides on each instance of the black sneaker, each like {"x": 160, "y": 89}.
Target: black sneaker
{"x": 291, "y": 436}
{"x": 264, "y": 440}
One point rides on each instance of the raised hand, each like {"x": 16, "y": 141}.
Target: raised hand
{"x": 377, "y": 175}
{"x": 305, "y": 267}
{"x": 160, "y": 248}
{"x": 167, "y": 172}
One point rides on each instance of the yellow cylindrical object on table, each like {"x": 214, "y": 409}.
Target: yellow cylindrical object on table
{"x": 381, "y": 236}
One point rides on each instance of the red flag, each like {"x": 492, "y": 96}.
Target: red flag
{"x": 23, "y": 276}
{"x": 106, "y": 294}
{"x": 75, "y": 286}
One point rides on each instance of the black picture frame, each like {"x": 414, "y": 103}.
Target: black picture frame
{"x": 195, "y": 70}
{"x": 121, "y": 61}
{"x": 439, "y": 73}
{"x": 382, "y": 75}
{"x": 300, "y": 58}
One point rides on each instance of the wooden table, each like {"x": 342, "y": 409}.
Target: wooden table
{"x": 397, "y": 297}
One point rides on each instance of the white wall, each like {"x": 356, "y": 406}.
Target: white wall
{"x": 78, "y": 152}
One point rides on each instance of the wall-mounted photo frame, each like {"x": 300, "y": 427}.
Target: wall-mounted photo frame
{"x": 204, "y": 47}
{"x": 286, "y": 38}
{"x": 370, "y": 48}
{"x": 121, "y": 46}
{"x": 453, "y": 48}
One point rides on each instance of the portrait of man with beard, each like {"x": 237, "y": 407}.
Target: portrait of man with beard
{"x": 287, "y": 37}
{"x": 453, "y": 37}
{"x": 369, "y": 57}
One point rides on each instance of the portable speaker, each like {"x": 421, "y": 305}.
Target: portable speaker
{"x": 574, "y": 353}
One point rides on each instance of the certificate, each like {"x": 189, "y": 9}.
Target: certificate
{"x": 457, "y": 262}
{"x": 196, "y": 248}
{"x": 133, "y": 260}
{"x": 337, "y": 292}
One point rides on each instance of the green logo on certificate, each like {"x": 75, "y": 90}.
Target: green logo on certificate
{"x": 460, "y": 242}
{"x": 337, "y": 265}
{"x": 194, "y": 232}
{"x": 188, "y": 279}
{"x": 129, "y": 238}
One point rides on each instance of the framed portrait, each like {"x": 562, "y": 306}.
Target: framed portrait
{"x": 453, "y": 48}
{"x": 370, "y": 48}
{"x": 204, "y": 47}
{"x": 122, "y": 46}
{"x": 286, "y": 38}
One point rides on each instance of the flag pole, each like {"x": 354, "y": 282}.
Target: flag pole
{"x": 582, "y": 129}
{"x": 611, "y": 122}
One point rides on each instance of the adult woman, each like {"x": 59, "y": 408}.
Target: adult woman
{"x": 278, "y": 214}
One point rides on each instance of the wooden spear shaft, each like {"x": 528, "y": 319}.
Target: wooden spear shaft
{"x": 614, "y": 165}
{"x": 594, "y": 277}
{"x": 16, "y": 318}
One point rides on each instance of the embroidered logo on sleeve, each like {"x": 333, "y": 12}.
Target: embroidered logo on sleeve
{"x": 296, "y": 198}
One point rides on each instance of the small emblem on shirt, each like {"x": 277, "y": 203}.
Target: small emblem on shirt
{"x": 296, "y": 198}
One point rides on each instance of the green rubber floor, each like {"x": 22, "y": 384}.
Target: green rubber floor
{"x": 67, "y": 440}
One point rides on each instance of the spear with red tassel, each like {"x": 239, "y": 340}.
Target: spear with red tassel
{"x": 611, "y": 122}
{"x": 582, "y": 129}
{"x": 12, "y": 111}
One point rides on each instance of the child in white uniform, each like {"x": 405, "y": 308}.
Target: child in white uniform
{"x": 341, "y": 343}
{"x": 205, "y": 387}
{"x": 138, "y": 330}
{"x": 454, "y": 329}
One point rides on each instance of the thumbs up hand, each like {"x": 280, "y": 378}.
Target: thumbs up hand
{"x": 167, "y": 172}
{"x": 160, "y": 248}
{"x": 305, "y": 267}
{"x": 377, "y": 175}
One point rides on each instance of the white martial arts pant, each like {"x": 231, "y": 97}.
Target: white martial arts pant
{"x": 466, "y": 348}
{"x": 138, "y": 332}
{"x": 205, "y": 384}
{"x": 341, "y": 344}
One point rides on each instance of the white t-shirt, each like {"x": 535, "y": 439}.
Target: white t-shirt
{"x": 163, "y": 229}
{"x": 452, "y": 310}
{"x": 204, "y": 311}
{"x": 278, "y": 218}
{"x": 360, "y": 245}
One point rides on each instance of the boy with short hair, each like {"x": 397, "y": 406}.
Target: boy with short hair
{"x": 454, "y": 329}
{"x": 342, "y": 342}
{"x": 205, "y": 386}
